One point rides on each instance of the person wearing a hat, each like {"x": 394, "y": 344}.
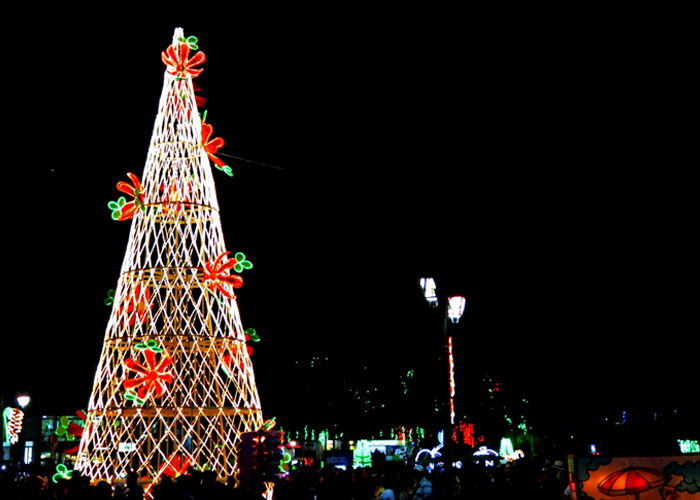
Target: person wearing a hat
{"x": 422, "y": 487}
{"x": 120, "y": 488}
{"x": 385, "y": 488}
{"x": 556, "y": 481}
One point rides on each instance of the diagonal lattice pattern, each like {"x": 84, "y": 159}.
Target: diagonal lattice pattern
{"x": 174, "y": 383}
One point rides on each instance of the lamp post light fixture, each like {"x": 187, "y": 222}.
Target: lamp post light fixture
{"x": 455, "y": 308}
{"x": 23, "y": 400}
{"x": 428, "y": 287}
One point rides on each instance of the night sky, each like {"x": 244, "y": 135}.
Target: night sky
{"x": 540, "y": 169}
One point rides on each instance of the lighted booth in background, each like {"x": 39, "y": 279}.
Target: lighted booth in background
{"x": 638, "y": 478}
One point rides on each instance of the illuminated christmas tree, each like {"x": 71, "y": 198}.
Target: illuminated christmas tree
{"x": 362, "y": 457}
{"x": 174, "y": 386}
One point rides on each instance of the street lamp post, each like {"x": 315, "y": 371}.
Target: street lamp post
{"x": 454, "y": 309}
{"x": 23, "y": 400}
{"x": 12, "y": 423}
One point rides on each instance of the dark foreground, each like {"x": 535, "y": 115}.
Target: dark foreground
{"x": 522, "y": 479}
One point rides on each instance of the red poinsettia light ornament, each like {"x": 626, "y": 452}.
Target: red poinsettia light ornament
{"x": 199, "y": 100}
{"x": 216, "y": 273}
{"x": 136, "y": 191}
{"x": 173, "y": 466}
{"x": 180, "y": 64}
{"x": 151, "y": 378}
{"x": 229, "y": 357}
{"x": 138, "y": 306}
{"x": 123, "y": 210}
{"x": 177, "y": 195}
{"x": 71, "y": 430}
{"x": 211, "y": 146}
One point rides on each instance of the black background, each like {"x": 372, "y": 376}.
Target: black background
{"x": 538, "y": 163}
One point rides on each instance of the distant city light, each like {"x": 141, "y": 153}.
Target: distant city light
{"x": 433, "y": 453}
{"x": 483, "y": 451}
{"x": 506, "y": 447}
{"x": 689, "y": 445}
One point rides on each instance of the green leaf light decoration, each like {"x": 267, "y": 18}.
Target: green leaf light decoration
{"x": 130, "y": 395}
{"x": 225, "y": 169}
{"x": 62, "y": 428}
{"x": 241, "y": 263}
{"x": 150, "y": 345}
{"x": 286, "y": 462}
{"x": 269, "y": 423}
{"x": 252, "y": 335}
{"x": 62, "y": 472}
{"x": 116, "y": 207}
{"x": 191, "y": 41}
{"x": 110, "y": 297}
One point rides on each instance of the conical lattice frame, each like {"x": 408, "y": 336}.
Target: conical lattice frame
{"x": 175, "y": 385}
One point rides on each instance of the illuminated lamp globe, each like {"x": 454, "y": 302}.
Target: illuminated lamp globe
{"x": 23, "y": 400}
{"x": 455, "y": 308}
{"x": 428, "y": 287}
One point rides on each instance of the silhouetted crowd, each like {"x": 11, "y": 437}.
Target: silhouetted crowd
{"x": 521, "y": 479}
